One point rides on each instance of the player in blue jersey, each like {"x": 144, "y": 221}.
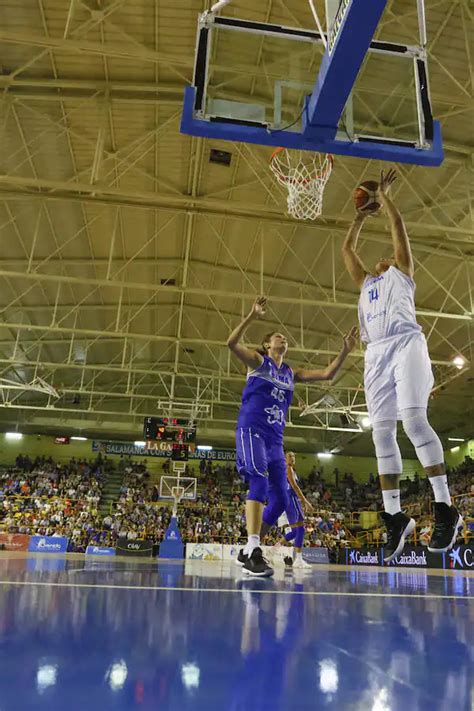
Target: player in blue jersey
{"x": 398, "y": 378}
{"x": 292, "y": 518}
{"x": 266, "y": 399}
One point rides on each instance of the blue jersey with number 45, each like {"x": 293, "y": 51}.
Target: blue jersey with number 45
{"x": 266, "y": 399}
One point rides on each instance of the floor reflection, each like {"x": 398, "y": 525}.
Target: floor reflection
{"x": 75, "y": 644}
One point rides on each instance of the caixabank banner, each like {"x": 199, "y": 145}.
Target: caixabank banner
{"x": 418, "y": 557}
{"x": 364, "y": 556}
{"x": 410, "y": 557}
{"x": 460, "y": 558}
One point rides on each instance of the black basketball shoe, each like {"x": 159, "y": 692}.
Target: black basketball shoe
{"x": 398, "y": 527}
{"x": 241, "y": 558}
{"x": 256, "y": 565}
{"x": 448, "y": 521}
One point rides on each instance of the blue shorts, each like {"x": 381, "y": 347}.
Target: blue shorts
{"x": 256, "y": 456}
{"x": 294, "y": 512}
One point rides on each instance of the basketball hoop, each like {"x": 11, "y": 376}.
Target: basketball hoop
{"x": 305, "y": 176}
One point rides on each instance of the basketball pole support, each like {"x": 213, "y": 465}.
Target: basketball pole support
{"x": 349, "y": 39}
{"x": 172, "y": 545}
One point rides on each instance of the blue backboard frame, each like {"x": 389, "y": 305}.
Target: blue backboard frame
{"x": 347, "y": 43}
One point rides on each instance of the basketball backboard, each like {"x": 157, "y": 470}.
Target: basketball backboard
{"x": 187, "y": 483}
{"x": 302, "y": 88}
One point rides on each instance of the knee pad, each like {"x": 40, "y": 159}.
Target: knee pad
{"x": 299, "y": 537}
{"x": 387, "y": 451}
{"x": 429, "y": 449}
{"x": 258, "y": 489}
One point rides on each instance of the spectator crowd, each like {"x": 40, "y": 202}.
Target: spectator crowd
{"x": 42, "y": 497}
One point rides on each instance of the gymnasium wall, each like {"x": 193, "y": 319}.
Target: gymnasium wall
{"x": 456, "y": 455}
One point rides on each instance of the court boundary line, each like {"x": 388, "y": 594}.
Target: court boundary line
{"x": 314, "y": 593}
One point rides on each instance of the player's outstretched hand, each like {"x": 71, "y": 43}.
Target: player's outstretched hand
{"x": 351, "y": 338}
{"x": 259, "y": 309}
{"x": 386, "y": 181}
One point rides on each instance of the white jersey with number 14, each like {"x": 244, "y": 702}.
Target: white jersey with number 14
{"x": 387, "y": 306}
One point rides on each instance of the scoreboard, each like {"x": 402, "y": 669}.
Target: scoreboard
{"x": 179, "y": 452}
{"x": 164, "y": 429}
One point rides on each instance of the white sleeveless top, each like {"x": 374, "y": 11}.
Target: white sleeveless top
{"x": 387, "y": 306}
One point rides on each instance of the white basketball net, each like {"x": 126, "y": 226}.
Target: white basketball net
{"x": 304, "y": 174}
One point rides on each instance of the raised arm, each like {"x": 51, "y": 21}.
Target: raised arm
{"x": 303, "y": 375}
{"x": 351, "y": 259}
{"x": 248, "y": 356}
{"x": 401, "y": 243}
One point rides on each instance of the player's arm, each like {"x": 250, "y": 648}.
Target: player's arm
{"x": 401, "y": 243}
{"x": 352, "y": 261}
{"x": 296, "y": 488}
{"x": 303, "y": 375}
{"x": 248, "y": 356}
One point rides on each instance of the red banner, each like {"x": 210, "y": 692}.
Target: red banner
{"x": 14, "y": 541}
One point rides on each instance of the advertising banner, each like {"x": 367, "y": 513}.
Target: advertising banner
{"x": 48, "y": 544}
{"x": 137, "y": 547}
{"x": 460, "y": 558}
{"x": 275, "y": 554}
{"x": 99, "y": 550}
{"x": 230, "y": 552}
{"x": 410, "y": 557}
{"x": 162, "y": 449}
{"x": 364, "y": 556}
{"x": 205, "y": 551}
{"x": 316, "y": 555}
{"x": 418, "y": 557}
{"x": 14, "y": 542}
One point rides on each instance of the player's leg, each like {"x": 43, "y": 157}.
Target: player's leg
{"x": 295, "y": 517}
{"x": 298, "y": 561}
{"x": 278, "y": 500}
{"x": 380, "y": 394}
{"x": 252, "y": 465}
{"x": 414, "y": 379}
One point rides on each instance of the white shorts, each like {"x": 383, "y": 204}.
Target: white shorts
{"x": 397, "y": 375}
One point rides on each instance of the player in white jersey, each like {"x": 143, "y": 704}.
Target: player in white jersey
{"x": 398, "y": 378}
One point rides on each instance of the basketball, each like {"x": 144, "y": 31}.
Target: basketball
{"x": 365, "y": 197}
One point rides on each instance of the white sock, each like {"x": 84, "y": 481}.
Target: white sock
{"x": 391, "y": 501}
{"x": 298, "y": 555}
{"x": 252, "y": 542}
{"x": 441, "y": 489}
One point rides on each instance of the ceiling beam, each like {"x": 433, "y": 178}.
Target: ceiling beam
{"x": 459, "y": 238}
{"x": 203, "y": 292}
{"x": 154, "y": 338}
